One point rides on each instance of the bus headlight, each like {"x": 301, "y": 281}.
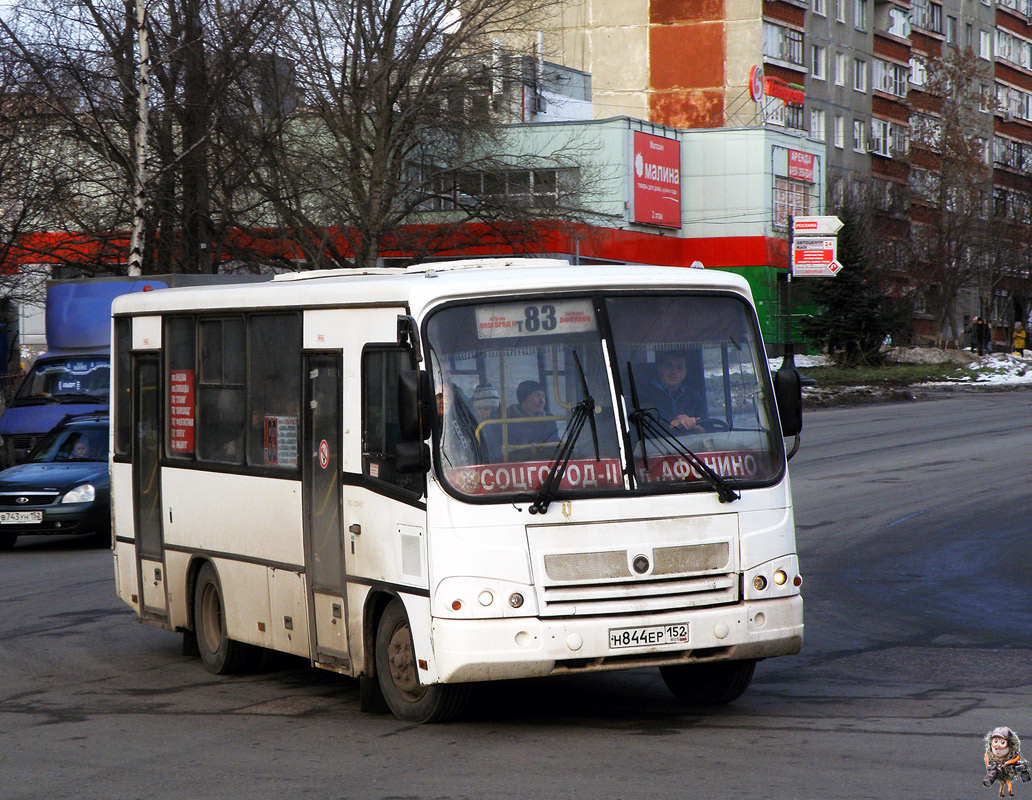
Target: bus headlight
{"x": 481, "y": 598}
{"x": 777, "y": 578}
{"x": 80, "y": 494}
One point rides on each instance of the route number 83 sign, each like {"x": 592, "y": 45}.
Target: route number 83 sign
{"x": 535, "y": 319}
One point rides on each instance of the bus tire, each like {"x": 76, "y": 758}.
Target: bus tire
{"x": 220, "y": 654}
{"x": 408, "y": 699}
{"x": 715, "y": 683}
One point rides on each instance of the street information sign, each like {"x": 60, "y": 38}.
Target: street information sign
{"x": 816, "y": 226}
{"x": 815, "y": 257}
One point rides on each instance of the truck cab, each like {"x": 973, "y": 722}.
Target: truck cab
{"x": 73, "y": 375}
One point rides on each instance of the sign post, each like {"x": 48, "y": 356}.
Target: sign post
{"x": 813, "y": 250}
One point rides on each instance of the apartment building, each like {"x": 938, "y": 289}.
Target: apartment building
{"x": 852, "y": 74}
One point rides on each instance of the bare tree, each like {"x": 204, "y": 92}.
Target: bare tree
{"x": 80, "y": 61}
{"x": 398, "y": 143}
{"x": 951, "y": 183}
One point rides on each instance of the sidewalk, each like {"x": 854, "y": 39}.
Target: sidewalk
{"x": 996, "y": 372}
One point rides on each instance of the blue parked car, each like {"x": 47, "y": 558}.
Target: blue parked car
{"x": 63, "y": 487}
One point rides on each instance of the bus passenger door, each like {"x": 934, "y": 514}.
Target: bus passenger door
{"x": 147, "y": 486}
{"x": 324, "y": 554}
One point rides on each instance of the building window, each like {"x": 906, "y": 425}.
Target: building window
{"x": 817, "y": 124}
{"x": 790, "y": 198}
{"x": 818, "y": 59}
{"x": 888, "y": 138}
{"x": 820, "y": 7}
{"x": 985, "y": 45}
{"x": 782, "y": 43}
{"x": 840, "y": 69}
{"x": 840, "y": 131}
{"x": 880, "y": 137}
{"x": 860, "y": 14}
{"x": 927, "y": 15}
{"x": 951, "y": 30}
{"x": 891, "y": 78}
{"x": 859, "y": 136}
{"x": 840, "y": 10}
{"x": 778, "y": 112}
{"x": 899, "y": 23}
{"x": 859, "y": 74}
{"x": 925, "y": 130}
{"x": 918, "y": 71}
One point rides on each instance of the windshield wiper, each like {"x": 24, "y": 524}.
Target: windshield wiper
{"x": 646, "y": 421}
{"x": 637, "y": 416}
{"x": 583, "y": 412}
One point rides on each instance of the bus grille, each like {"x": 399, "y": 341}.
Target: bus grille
{"x": 614, "y": 563}
{"x": 603, "y": 582}
{"x": 640, "y": 597}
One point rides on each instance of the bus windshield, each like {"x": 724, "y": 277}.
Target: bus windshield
{"x": 85, "y": 379}
{"x": 690, "y": 371}
{"x": 509, "y": 377}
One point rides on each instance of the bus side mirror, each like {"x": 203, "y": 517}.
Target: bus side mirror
{"x": 415, "y": 412}
{"x": 788, "y": 393}
{"x": 412, "y": 457}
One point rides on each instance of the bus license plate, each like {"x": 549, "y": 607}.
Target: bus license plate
{"x": 20, "y": 517}
{"x": 646, "y": 637}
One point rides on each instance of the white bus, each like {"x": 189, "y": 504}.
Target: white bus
{"x": 459, "y": 472}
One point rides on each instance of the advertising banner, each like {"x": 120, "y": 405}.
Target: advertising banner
{"x": 657, "y": 180}
{"x": 181, "y": 409}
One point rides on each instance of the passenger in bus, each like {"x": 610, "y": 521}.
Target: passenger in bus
{"x": 459, "y": 444}
{"x": 679, "y": 404}
{"x": 487, "y": 406}
{"x": 543, "y": 434}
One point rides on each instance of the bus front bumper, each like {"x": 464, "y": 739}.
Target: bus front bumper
{"x": 498, "y": 649}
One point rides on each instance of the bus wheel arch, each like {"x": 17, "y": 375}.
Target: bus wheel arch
{"x": 398, "y": 675}
{"x": 220, "y": 654}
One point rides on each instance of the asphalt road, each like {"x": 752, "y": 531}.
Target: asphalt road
{"x": 913, "y": 533}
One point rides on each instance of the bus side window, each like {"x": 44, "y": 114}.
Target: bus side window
{"x": 381, "y": 430}
{"x": 220, "y": 392}
{"x": 121, "y": 403}
{"x": 274, "y": 389}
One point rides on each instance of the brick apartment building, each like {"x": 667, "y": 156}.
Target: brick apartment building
{"x": 852, "y": 74}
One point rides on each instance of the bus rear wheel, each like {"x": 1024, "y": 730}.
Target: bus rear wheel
{"x": 396, "y": 672}
{"x": 711, "y": 684}
{"x": 219, "y": 653}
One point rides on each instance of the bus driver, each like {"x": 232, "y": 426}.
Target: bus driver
{"x": 680, "y": 405}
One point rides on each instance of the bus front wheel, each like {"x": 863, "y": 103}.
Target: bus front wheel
{"x": 398, "y": 676}
{"x": 219, "y": 653}
{"x": 711, "y": 684}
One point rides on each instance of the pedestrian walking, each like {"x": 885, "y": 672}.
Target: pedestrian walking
{"x": 980, "y": 333}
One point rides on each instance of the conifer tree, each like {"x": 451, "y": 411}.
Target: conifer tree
{"x": 853, "y": 322}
